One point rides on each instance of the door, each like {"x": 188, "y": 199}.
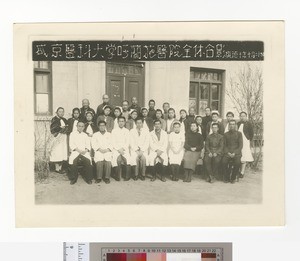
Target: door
{"x": 124, "y": 81}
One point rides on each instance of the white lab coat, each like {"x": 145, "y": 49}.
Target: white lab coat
{"x": 80, "y": 141}
{"x": 139, "y": 142}
{"x": 120, "y": 139}
{"x": 176, "y": 143}
{"x": 102, "y": 141}
{"x": 156, "y": 144}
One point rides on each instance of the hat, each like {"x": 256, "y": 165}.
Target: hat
{"x": 133, "y": 110}
{"x": 106, "y": 106}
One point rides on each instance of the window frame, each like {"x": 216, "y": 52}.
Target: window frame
{"x": 220, "y": 83}
{"x": 44, "y": 71}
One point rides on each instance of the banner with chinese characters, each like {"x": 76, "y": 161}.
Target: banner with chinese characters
{"x": 148, "y": 51}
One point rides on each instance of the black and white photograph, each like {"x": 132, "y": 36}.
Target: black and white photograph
{"x": 129, "y": 119}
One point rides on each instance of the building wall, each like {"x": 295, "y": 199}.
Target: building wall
{"x": 164, "y": 81}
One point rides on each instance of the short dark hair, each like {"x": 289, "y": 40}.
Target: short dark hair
{"x": 139, "y": 119}
{"x": 215, "y": 113}
{"x": 193, "y": 122}
{"x": 215, "y": 124}
{"x": 244, "y": 113}
{"x": 121, "y": 117}
{"x": 171, "y": 109}
{"x": 144, "y": 109}
{"x": 232, "y": 121}
{"x": 230, "y": 113}
{"x": 166, "y": 103}
{"x": 208, "y": 108}
{"x": 198, "y": 117}
{"x": 101, "y": 122}
{"x": 151, "y": 101}
{"x": 158, "y": 110}
{"x": 176, "y": 123}
{"x": 117, "y": 108}
{"x": 125, "y": 101}
{"x": 156, "y": 120}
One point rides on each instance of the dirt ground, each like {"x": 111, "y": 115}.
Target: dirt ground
{"x": 57, "y": 190}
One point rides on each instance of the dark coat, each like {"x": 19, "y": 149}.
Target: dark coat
{"x": 221, "y": 128}
{"x": 214, "y": 144}
{"x": 93, "y": 125}
{"x": 55, "y": 127}
{"x": 193, "y": 139}
{"x": 247, "y": 129}
{"x": 70, "y": 125}
{"x": 152, "y": 114}
{"x": 206, "y": 120}
{"x": 149, "y": 122}
{"x": 83, "y": 112}
{"x": 109, "y": 122}
{"x": 186, "y": 123}
{"x": 233, "y": 142}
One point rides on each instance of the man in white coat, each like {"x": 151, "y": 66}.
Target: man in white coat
{"x": 139, "y": 146}
{"x": 121, "y": 156}
{"x": 158, "y": 158}
{"x": 80, "y": 155}
{"x": 102, "y": 145}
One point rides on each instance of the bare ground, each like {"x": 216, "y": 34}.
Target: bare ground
{"x": 57, "y": 190}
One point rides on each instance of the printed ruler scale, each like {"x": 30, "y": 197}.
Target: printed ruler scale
{"x": 80, "y": 252}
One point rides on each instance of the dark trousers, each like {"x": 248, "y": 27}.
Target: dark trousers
{"x": 140, "y": 166}
{"x": 231, "y": 164}
{"x": 212, "y": 165}
{"x": 103, "y": 169}
{"x": 122, "y": 163}
{"x": 159, "y": 169}
{"x": 87, "y": 170}
{"x": 175, "y": 170}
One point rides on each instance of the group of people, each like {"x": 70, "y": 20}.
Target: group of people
{"x": 127, "y": 141}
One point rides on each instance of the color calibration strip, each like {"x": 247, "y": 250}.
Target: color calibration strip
{"x": 162, "y": 254}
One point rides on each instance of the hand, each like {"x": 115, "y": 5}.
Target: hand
{"x": 159, "y": 152}
{"x": 210, "y": 155}
{"x": 193, "y": 149}
{"x": 215, "y": 155}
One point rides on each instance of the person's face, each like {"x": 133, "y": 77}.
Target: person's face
{"x": 215, "y": 129}
{"x": 85, "y": 103}
{"x": 144, "y": 113}
{"x": 151, "y": 105}
{"x": 207, "y": 112}
{"x": 76, "y": 114}
{"x": 177, "y": 128}
{"x": 158, "y": 115}
{"x": 171, "y": 114}
{"x": 157, "y": 125}
{"x": 60, "y": 113}
{"x": 192, "y": 111}
{"x": 229, "y": 117}
{"x": 193, "y": 127}
{"x": 232, "y": 125}
{"x": 166, "y": 107}
{"x": 102, "y": 127}
{"x": 80, "y": 126}
{"x": 117, "y": 113}
{"x": 183, "y": 114}
{"x": 89, "y": 117}
{"x": 134, "y": 101}
{"x": 125, "y": 106}
{"x": 215, "y": 117}
{"x": 105, "y": 99}
{"x": 139, "y": 124}
{"x": 121, "y": 123}
{"x": 134, "y": 115}
{"x": 243, "y": 117}
{"x": 199, "y": 120}
{"x": 107, "y": 111}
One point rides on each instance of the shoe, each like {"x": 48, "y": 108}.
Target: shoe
{"x": 89, "y": 182}
{"x": 62, "y": 171}
{"x": 126, "y": 179}
{"x": 135, "y": 178}
{"x": 226, "y": 181}
{"x": 72, "y": 182}
{"x": 208, "y": 179}
{"x": 142, "y": 178}
{"x": 153, "y": 178}
{"x": 163, "y": 179}
{"x": 107, "y": 181}
{"x": 232, "y": 182}
{"x": 97, "y": 180}
{"x": 241, "y": 175}
{"x": 176, "y": 179}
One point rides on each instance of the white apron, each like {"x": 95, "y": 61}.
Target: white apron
{"x": 246, "y": 151}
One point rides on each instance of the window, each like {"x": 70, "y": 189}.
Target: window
{"x": 43, "y": 88}
{"x": 205, "y": 89}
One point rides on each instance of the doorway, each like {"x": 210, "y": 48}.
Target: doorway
{"x": 124, "y": 81}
